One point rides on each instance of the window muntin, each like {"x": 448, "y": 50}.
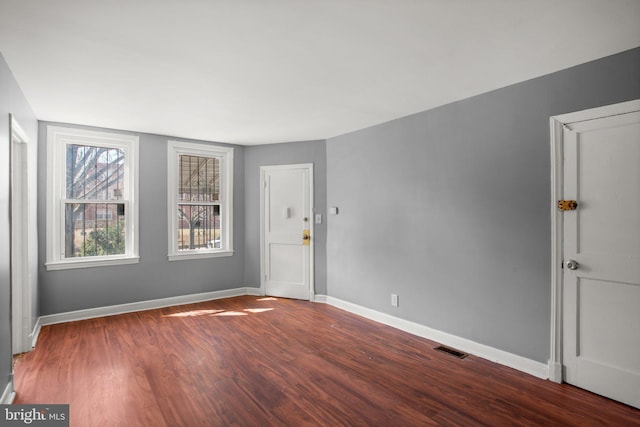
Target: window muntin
{"x": 200, "y": 200}
{"x": 92, "y": 214}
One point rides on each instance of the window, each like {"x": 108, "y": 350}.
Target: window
{"x": 200, "y": 200}
{"x": 92, "y": 212}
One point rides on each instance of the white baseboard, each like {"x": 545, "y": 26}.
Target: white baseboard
{"x": 33, "y": 336}
{"x": 511, "y": 360}
{"x": 112, "y": 310}
{"x": 555, "y": 371}
{"x": 255, "y": 292}
{"x": 320, "y": 298}
{"x": 8, "y": 394}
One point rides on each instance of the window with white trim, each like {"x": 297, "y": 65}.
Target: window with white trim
{"x": 200, "y": 200}
{"x": 92, "y": 212}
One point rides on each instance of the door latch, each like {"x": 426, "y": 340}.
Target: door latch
{"x": 306, "y": 237}
{"x": 567, "y": 205}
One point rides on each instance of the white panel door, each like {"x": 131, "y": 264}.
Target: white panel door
{"x": 601, "y": 296}
{"x": 286, "y": 221}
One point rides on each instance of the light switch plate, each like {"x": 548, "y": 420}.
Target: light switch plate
{"x": 394, "y": 300}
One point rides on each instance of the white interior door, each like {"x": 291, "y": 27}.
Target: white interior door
{"x": 286, "y": 220}
{"x": 601, "y": 257}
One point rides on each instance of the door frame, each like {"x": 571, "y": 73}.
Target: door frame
{"x": 263, "y": 184}
{"x": 557, "y": 125}
{"x": 19, "y": 240}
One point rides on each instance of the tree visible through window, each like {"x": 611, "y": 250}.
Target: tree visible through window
{"x": 92, "y": 185}
{"x": 198, "y": 202}
{"x": 94, "y": 213}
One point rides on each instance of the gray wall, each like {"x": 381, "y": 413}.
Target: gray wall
{"x": 281, "y": 154}
{"x": 12, "y": 101}
{"x": 449, "y": 208}
{"x": 154, "y": 277}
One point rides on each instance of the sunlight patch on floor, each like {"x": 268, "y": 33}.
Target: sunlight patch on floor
{"x": 210, "y": 313}
{"x": 257, "y": 310}
{"x": 231, "y": 313}
{"x": 194, "y": 313}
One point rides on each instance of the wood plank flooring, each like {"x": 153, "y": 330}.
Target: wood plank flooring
{"x": 251, "y": 361}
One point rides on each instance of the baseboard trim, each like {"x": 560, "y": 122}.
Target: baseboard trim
{"x": 511, "y": 360}
{"x": 35, "y": 333}
{"x": 523, "y": 364}
{"x": 320, "y": 298}
{"x": 555, "y": 371}
{"x": 8, "y": 394}
{"x": 113, "y": 310}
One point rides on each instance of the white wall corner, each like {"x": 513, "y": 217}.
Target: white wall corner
{"x": 8, "y": 394}
{"x": 520, "y": 363}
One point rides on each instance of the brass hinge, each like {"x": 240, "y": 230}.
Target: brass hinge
{"x": 567, "y": 205}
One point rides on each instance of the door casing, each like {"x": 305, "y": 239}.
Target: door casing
{"x": 263, "y": 173}
{"x": 19, "y": 201}
{"x": 557, "y": 124}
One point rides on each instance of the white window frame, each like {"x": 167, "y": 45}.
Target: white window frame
{"x": 225, "y": 154}
{"x": 57, "y": 139}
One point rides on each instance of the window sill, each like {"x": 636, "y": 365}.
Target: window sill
{"x": 198, "y": 255}
{"x": 86, "y": 263}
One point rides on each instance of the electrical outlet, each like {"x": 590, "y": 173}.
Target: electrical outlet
{"x": 394, "y": 300}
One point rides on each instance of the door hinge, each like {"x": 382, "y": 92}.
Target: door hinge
{"x": 567, "y": 205}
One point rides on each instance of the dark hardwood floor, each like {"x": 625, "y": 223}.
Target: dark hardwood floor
{"x": 252, "y": 361}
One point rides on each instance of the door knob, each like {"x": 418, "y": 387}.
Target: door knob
{"x": 572, "y": 264}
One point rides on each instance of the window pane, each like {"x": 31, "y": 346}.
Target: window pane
{"x": 94, "y": 229}
{"x": 94, "y": 173}
{"x": 198, "y": 227}
{"x": 199, "y": 179}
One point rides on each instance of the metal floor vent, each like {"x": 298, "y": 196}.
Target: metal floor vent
{"x": 451, "y": 351}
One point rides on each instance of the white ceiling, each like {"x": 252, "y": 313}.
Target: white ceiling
{"x": 262, "y": 71}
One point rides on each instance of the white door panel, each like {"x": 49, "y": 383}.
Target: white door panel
{"x": 286, "y": 215}
{"x": 286, "y": 263}
{"x": 601, "y": 298}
